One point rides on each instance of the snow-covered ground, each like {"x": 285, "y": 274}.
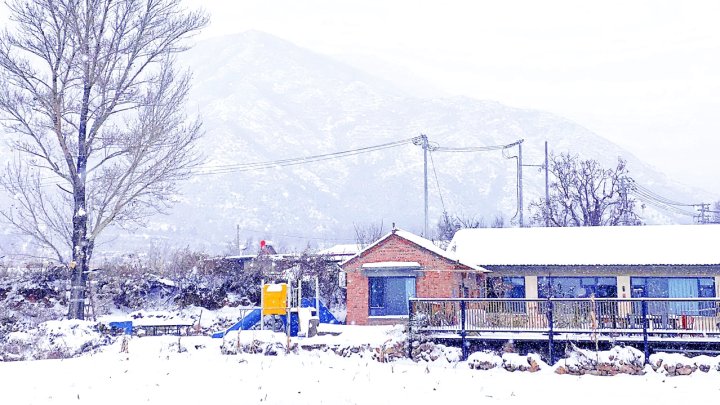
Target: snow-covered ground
{"x": 168, "y": 369}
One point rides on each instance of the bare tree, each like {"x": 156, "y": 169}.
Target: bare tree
{"x": 91, "y": 98}
{"x": 498, "y": 222}
{"x": 367, "y": 234}
{"x": 449, "y": 224}
{"x": 583, "y": 193}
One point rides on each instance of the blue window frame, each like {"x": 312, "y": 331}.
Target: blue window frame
{"x": 506, "y": 287}
{"x": 390, "y": 295}
{"x": 676, "y": 287}
{"x": 577, "y": 287}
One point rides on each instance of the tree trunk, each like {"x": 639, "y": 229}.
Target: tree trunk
{"x": 80, "y": 258}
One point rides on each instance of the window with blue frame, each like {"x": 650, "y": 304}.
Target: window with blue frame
{"x": 577, "y": 287}
{"x": 506, "y": 287}
{"x": 390, "y": 295}
{"x": 676, "y": 287}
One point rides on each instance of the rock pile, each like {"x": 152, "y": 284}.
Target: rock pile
{"x": 509, "y": 361}
{"x": 429, "y": 351}
{"x": 676, "y": 364}
{"x": 390, "y": 351}
{"x": 515, "y": 362}
{"x": 618, "y": 360}
{"x": 484, "y": 361}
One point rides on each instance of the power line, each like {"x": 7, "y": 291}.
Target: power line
{"x": 669, "y": 206}
{"x": 473, "y": 148}
{"x": 660, "y": 198}
{"x": 442, "y": 202}
{"x": 242, "y": 167}
{"x": 297, "y": 236}
{"x": 659, "y": 202}
{"x": 518, "y": 212}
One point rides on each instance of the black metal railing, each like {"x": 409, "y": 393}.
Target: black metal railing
{"x": 602, "y": 316}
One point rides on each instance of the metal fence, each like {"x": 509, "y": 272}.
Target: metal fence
{"x": 647, "y": 317}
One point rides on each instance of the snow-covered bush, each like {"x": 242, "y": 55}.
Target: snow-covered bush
{"x": 263, "y": 342}
{"x": 53, "y": 340}
{"x": 30, "y": 296}
{"x": 184, "y": 278}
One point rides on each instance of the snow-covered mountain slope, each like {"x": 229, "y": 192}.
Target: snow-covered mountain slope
{"x": 263, "y": 99}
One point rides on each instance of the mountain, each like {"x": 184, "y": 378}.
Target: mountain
{"x": 264, "y": 99}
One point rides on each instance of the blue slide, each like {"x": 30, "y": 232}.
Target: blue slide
{"x": 246, "y": 323}
{"x": 325, "y": 315}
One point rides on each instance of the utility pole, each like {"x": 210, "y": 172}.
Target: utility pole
{"x": 519, "y": 178}
{"x": 422, "y": 140}
{"x": 703, "y": 218}
{"x": 546, "y": 167}
{"x": 520, "y": 184}
{"x": 623, "y": 198}
{"x": 237, "y": 239}
{"x": 547, "y": 187}
{"x": 425, "y": 153}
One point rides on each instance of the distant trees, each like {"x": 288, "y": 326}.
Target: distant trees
{"x": 583, "y": 193}
{"x": 95, "y": 107}
{"x": 309, "y": 264}
{"x": 451, "y": 223}
{"x": 366, "y": 235}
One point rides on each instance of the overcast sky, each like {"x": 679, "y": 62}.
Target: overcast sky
{"x": 644, "y": 74}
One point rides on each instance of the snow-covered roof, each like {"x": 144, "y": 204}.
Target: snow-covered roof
{"x": 611, "y": 245}
{"x": 344, "y": 249}
{"x": 422, "y": 242}
{"x": 389, "y": 265}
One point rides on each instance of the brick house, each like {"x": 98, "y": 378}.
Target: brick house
{"x": 384, "y": 276}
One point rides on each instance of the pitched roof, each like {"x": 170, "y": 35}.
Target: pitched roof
{"x": 343, "y": 249}
{"x": 612, "y": 245}
{"x": 421, "y": 242}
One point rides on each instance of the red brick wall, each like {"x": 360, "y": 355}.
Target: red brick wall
{"x": 438, "y": 279}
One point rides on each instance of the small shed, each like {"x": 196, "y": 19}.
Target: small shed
{"x": 385, "y": 275}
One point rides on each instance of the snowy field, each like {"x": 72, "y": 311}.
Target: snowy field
{"x": 154, "y": 371}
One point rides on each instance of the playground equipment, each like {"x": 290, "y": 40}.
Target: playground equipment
{"x": 298, "y": 314}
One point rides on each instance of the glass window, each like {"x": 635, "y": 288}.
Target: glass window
{"x": 707, "y": 287}
{"x": 676, "y": 287}
{"x": 506, "y": 287}
{"x": 577, "y": 287}
{"x": 672, "y": 287}
{"x": 390, "y": 295}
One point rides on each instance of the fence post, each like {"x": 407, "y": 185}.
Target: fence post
{"x": 462, "y": 331}
{"x": 646, "y": 345}
{"x": 411, "y": 313}
{"x": 551, "y": 343}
